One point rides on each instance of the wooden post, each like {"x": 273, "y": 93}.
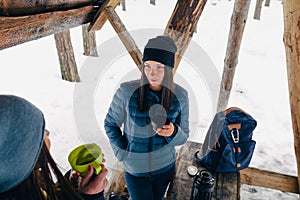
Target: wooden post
{"x": 152, "y": 2}
{"x": 125, "y": 37}
{"x": 100, "y": 17}
{"x": 89, "y": 42}
{"x": 17, "y": 30}
{"x": 182, "y": 24}
{"x": 238, "y": 22}
{"x": 123, "y": 5}
{"x": 258, "y": 9}
{"x": 267, "y": 3}
{"x": 66, "y": 56}
{"x": 291, "y": 11}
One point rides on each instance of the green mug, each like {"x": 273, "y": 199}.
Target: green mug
{"x": 84, "y": 155}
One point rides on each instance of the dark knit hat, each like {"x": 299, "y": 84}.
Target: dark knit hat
{"x": 21, "y": 139}
{"x": 161, "y": 49}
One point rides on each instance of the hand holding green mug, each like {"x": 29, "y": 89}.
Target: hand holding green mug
{"x": 82, "y": 156}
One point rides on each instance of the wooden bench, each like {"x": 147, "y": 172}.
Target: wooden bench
{"x": 227, "y": 185}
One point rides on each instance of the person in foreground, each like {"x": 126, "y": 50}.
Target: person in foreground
{"x": 27, "y": 170}
{"x": 154, "y": 114}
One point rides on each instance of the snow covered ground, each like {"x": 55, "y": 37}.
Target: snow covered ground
{"x": 75, "y": 112}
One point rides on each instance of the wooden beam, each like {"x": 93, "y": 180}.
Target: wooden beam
{"x": 268, "y": 179}
{"x": 258, "y": 9}
{"x": 291, "y": 12}
{"x": 125, "y": 36}
{"x": 15, "y": 8}
{"x": 100, "y": 17}
{"x": 17, "y": 30}
{"x": 182, "y": 24}
{"x": 66, "y": 56}
{"x": 238, "y": 22}
{"x": 89, "y": 42}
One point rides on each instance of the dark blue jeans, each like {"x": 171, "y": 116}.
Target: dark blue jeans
{"x": 148, "y": 187}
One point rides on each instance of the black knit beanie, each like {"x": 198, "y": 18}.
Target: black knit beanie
{"x": 161, "y": 49}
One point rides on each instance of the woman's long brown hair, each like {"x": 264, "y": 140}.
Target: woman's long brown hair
{"x": 167, "y": 90}
{"x": 41, "y": 185}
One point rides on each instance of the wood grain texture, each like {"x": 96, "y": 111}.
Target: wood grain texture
{"x": 89, "y": 42}
{"x": 237, "y": 26}
{"x": 226, "y": 184}
{"x": 182, "y": 25}
{"x": 291, "y": 12}
{"x": 30, "y": 7}
{"x": 66, "y": 56}
{"x": 125, "y": 36}
{"x": 17, "y": 30}
{"x": 100, "y": 17}
{"x": 268, "y": 179}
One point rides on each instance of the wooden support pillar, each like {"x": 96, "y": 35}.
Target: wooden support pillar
{"x": 152, "y": 2}
{"x": 125, "y": 36}
{"x": 100, "y": 17}
{"x": 267, "y": 3}
{"x": 238, "y": 22}
{"x": 182, "y": 24}
{"x": 123, "y": 5}
{"x": 258, "y": 9}
{"x": 66, "y": 56}
{"x": 291, "y": 11}
{"x": 89, "y": 42}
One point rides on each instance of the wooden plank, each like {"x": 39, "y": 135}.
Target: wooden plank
{"x": 125, "y": 36}
{"x": 226, "y": 184}
{"x": 89, "y": 42}
{"x": 268, "y": 179}
{"x": 31, "y": 7}
{"x": 66, "y": 56}
{"x": 17, "y": 30}
{"x": 100, "y": 17}
{"x": 238, "y": 22}
{"x": 291, "y": 12}
{"x": 182, "y": 24}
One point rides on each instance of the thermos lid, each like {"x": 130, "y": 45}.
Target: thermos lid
{"x": 192, "y": 170}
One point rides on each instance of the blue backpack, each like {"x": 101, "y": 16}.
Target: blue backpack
{"x": 228, "y": 145}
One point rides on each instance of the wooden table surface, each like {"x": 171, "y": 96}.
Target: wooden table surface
{"x": 226, "y": 184}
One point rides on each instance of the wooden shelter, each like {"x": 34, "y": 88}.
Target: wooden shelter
{"x": 17, "y": 28}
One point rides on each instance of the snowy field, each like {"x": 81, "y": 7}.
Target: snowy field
{"x": 75, "y": 112}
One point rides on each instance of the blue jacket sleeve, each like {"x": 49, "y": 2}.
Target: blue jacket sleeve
{"x": 181, "y": 125}
{"x": 113, "y": 122}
